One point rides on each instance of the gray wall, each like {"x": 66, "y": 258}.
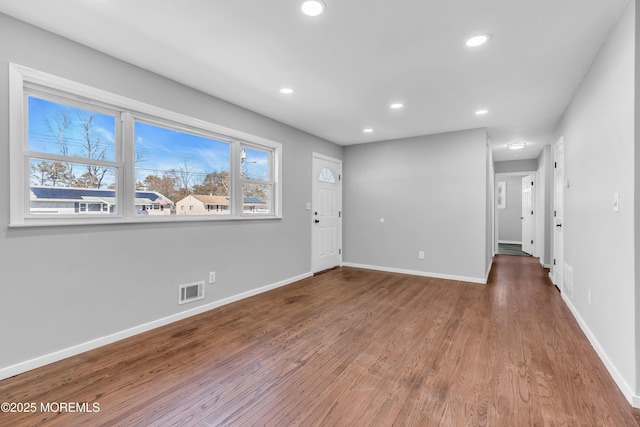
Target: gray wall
{"x": 516, "y": 166}
{"x": 64, "y": 286}
{"x": 431, "y": 192}
{"x": 599, "y": 135}
{"x": 509, "y": 222}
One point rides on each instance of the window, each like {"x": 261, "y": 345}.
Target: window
{"x": 82, "y": 155}
{"x": 198, "y": 166}
{"x": 71, "y": 154}
{"x": 326, "y": 176}
{"x": 257, "y": 180}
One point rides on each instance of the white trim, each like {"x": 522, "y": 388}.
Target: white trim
{"x": 634, "y": 400}
{"x": 419, "y": 273}
{"x": 37, "y": 362}
{"x": 486, "y": 278}
{"x": 17, "y": 202}
{"x": 510, "y": 242}
{"x": 150, "y": 219}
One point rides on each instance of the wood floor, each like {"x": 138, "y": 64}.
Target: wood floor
{"x": 348, "y": 347}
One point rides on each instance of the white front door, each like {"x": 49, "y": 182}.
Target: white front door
{"x": 527, "y": 215}
{"x": 557, "y": 272}
{"x": 326, "y": 213}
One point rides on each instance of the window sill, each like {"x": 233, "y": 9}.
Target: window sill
{"x": 73, "y": 222}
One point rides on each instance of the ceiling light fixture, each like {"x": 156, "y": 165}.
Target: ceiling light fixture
{"x": 478, "y": 40}
{"x": 367, "y": 130}
{"x": 396, "y": 106}
{"x": 286, "y": 90}
{"x": 313, "y": 7}
{"x": 481, "y": 112}
{"x": 516, "y": 145}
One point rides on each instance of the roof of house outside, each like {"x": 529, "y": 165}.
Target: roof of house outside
{"x": 212, "y": 200}
{"x": 224, "y": 200}
{"x": 84, "y": 194}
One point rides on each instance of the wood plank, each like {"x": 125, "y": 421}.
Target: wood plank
{"x": 348, "y": 347}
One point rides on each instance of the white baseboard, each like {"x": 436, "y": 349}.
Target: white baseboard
{"x": 510, "y": 242}
{"x": 627, "y": 391}
{"x": 37, "y": 362}
{"x": 486, "y": 278}
{"x": 417, "y": 273}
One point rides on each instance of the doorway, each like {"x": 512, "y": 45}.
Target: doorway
{"x": 515, "y": 213}
{"x": 326, "y": 209}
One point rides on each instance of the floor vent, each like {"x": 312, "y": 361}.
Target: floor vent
{"x": 190, "y": 292}
{"x": 568, "y": 280}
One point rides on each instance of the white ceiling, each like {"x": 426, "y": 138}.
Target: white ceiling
{"x": 349, "y": 64}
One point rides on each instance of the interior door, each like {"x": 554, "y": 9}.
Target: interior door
{"x": 557, "y": 271}
{"x": 527, "y": 215}
{"x": 326, "y": 213}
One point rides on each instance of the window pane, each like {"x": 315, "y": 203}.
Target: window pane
{"x": 255, "y": 164}
{"x": 50, "y": 173}
{"x": 326, "y": 176}
{"x": 69, "y": 131}
{"x": 71, "y": 188}
{"x": 190, "y": 172}
{"x": 256, "y": 198}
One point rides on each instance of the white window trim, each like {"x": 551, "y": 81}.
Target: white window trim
{"x": 132, "y": 109}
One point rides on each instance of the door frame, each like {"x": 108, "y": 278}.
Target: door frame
{"x": 534, "y": 189}
{"x": 532, "y": 181}
{"x": 314, "y": 181}
{"x": 557, "y": 246}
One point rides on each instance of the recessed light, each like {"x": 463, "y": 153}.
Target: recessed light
{"x": 478, "y": 40}
{"x": 481, "y": 112}
{"x": 367, "y": 130}
{"x": 396, "y": 106}
{"x": 516, "y": 145}
{"x": 313, "y": 7}
{"x": 286, "y": 90}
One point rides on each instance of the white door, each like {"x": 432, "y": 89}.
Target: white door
{"x": 527, "y": 215}
{"x": 326, "y": 213}
{"x": 557, "y": 273}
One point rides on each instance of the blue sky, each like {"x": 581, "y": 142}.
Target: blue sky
{"x": 158, "y": 149}
{"x": 44, "y": 139}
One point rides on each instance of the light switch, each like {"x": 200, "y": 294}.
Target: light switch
{"x": 616, "y": 208}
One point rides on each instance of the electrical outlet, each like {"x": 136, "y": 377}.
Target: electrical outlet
{"x": 212, "y": 277}
{"x": 421, "y": 255}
